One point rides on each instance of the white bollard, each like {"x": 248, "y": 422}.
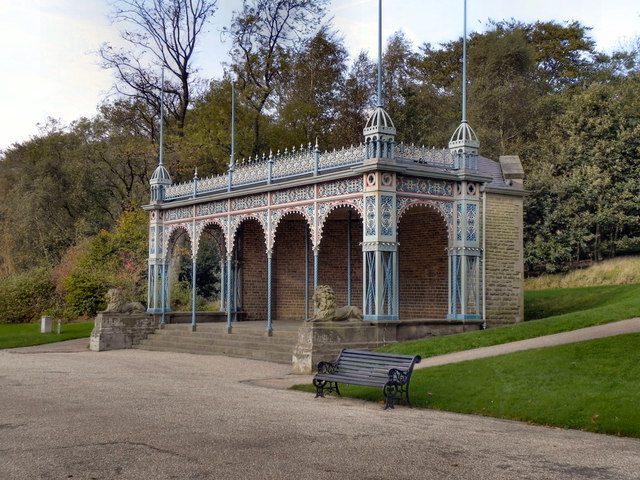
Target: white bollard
{"x": 45, "y": 325}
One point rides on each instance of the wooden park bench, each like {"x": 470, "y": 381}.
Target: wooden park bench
{"x": 388, "y": 371}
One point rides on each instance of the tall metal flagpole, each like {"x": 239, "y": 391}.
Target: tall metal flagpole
{"x": 380, "y": 104}
{"x": 163, "y": 277}
{"x": 464, "y": 65}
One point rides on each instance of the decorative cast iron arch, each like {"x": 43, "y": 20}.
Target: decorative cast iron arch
{"x": 237, "y": 221}
{"x": 219, "y": 228}
{"x": 325, "y": 209}
{"x": 278, "y": 215}
{"x": 169, "y": 234}
{"x": 444, "y": 209}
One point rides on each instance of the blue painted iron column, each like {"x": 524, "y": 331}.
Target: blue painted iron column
{"x": 229, "y": 285}
{"x": 464, "y": 255}
{"x": 269, "y": 291}
{"x": 380, "y": 248}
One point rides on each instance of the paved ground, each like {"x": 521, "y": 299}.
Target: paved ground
{"x": 66, "y": 412}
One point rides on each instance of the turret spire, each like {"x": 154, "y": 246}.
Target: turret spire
{"x": 380, "y": 101}
{"x": 160, "y": 178}
{"x": 379, "y": 131}
{"x": 464, "y": 142}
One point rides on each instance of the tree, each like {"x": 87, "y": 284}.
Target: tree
{"x": 356, "y": 101}
{"x": 309, "y": 95}
{"x": 264, "y": 35}
{"x": 161, "y": 34}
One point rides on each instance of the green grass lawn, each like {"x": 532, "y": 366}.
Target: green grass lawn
{"x": 26, "y": 334}
{"x": 593, "y": 386}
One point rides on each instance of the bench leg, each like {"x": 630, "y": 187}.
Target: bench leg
{"x": 322, "y": 385}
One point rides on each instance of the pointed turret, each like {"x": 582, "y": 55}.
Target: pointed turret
{"x": 379, "y": 132}
{"x": 464, "y": 142}
{"x": 160, "y": 179}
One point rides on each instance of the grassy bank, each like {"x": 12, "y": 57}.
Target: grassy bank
{"x": 564, "y": 309}
{"x": 26, "y": 334}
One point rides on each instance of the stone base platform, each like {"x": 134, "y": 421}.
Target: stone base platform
{"x": 115, "y": 331}
{"x": 324, "y": 340}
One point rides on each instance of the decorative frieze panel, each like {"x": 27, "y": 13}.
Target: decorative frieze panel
{"x": 425, "y": 186}
{"x": 472, "y": 223}
{"x": 343, "y": 187}
{"x": 370, "y": 216}
{"x": 253, "y": 201}
{"x": 459, "y": 222}
{"x": 211, "y": 208}
{"x": 179, "y": 213}
{"x": 386, "y": 211}
{"x": 292, "y": 195}
{"x": 152, "y": 240}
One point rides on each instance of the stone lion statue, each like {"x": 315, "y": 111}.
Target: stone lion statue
{"x": 325, "y": 303}
{"x": 116, "y": 303}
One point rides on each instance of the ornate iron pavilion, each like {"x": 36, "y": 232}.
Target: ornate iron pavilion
{"x": 379, "y": 180}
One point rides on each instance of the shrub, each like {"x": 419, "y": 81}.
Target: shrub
{"x": 26, "y": 296}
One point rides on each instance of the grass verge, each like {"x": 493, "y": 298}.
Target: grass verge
{"x": 27, "y": 334}
{"x": 572, "y": 308}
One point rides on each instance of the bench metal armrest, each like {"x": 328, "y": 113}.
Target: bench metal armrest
{"x": 398, "y": 377}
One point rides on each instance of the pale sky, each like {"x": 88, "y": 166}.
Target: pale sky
{"x": 49, "y": 68}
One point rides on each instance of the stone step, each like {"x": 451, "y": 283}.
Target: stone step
{"x": 246, "y": 340}
{"x": 224, "y": 337}
{"x": 180, "y": 342}
{"x": 271, "y": 355}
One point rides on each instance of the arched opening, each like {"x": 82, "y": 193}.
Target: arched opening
{"x": 179, "y": 272}
{"x": 340, "y": 263}
{"x": 210, "y": 266}
{"x": 423, "y": 266}
{"x": 292, "y": 269}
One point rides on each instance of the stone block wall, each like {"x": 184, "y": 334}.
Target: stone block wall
{"x": 115, "y": 331}
{"x": 504, "y": 260}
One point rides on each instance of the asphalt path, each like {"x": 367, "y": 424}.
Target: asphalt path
{"x": 69, "y": 413}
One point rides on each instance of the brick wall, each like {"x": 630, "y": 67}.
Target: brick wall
{"x": 254, "y": 270}
{"x": 422, "y": 235}
{"x": 504, "y": 257}
{"x": 289, "y": 269}
{"x": 333, "y": 257}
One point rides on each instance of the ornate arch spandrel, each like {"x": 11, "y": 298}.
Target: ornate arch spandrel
{"x": 220, "y": 231}
{"x": 444, "y": 209}
{"x": 168, "y": 233}
{"x": 237, "y": 220}
{"x": 325, "y": 209}
{"x": 279, "y": 214}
